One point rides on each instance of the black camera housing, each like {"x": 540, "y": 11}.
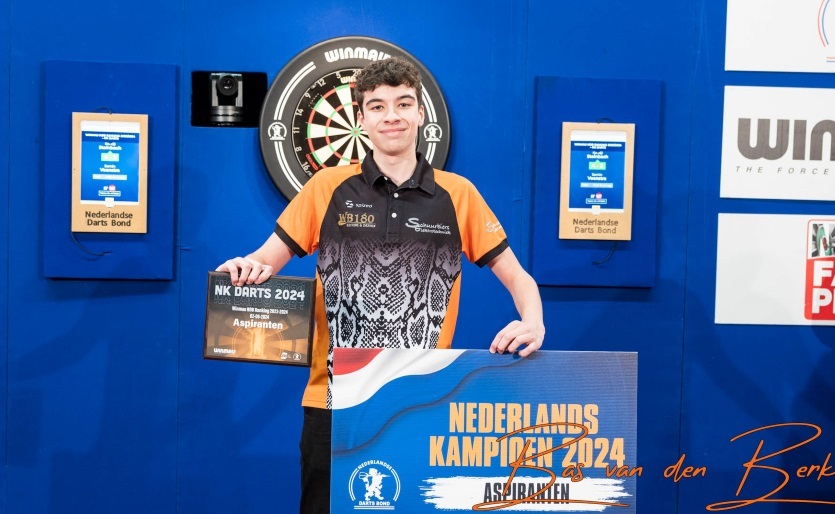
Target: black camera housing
{"x": 227, "y": 98}
{"x": 225, "y": 90}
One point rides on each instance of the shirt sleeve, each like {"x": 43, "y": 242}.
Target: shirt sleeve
{"x": 299, "y": 225}
{"x": 482, "y": 236}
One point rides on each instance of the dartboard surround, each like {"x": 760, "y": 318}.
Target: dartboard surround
{"x": 309, "y": 116}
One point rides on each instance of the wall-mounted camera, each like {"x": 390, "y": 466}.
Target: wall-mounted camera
{"x": 227, "y": 98}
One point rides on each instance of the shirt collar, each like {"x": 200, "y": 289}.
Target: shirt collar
{"x": 423, "y": 176}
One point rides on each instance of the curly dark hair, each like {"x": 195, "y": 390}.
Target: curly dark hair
{"x": 394, "y": 71}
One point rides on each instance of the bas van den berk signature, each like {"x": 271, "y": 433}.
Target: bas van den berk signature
{"x": 534, "y": 455}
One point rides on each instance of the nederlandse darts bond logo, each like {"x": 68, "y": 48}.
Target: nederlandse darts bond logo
{"x": 308, "y": 120}
{"x": 374, "y": 485}
{"x": 820, "y": 271}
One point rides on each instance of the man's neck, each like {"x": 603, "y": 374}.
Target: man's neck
{"x": 397, "y": 168}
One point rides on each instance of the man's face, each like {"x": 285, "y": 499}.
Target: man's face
{"x": 391, "y": 116}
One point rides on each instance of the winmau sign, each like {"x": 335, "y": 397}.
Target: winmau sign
{"x": 777, "y": 143}
{"x": 786, "y": 130}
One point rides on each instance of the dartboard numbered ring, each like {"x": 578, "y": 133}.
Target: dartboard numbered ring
{"x": 309, "y": 117}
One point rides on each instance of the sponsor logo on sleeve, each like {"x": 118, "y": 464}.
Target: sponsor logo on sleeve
{"x": 493, "y": 226}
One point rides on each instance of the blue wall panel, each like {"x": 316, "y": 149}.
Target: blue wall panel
{"x": 92, "y": 365}
{"x": 737, "y": 378}
{"x": 607, "y": 40}
{"x": 574, "y": 262}
{"x": 4, "y": 240}
{"x": 120, "y": 88}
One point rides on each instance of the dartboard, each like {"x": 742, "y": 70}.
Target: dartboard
{"x": 309, "y": 117}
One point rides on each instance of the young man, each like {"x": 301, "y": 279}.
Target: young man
{"x": 390, "y": 235}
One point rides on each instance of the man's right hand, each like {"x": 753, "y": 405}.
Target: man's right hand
{"x": 245, "y": 270}
{"x": 260, "y": 265}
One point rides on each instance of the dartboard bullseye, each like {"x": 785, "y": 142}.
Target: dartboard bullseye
{"x": 309, "y": 116}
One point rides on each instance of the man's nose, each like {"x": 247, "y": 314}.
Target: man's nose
{"x": 392, "y": 115}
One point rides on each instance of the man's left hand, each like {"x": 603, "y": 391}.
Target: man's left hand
{"x": 523, "y": 336}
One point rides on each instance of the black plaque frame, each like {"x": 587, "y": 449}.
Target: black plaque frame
{"x": 268, "y": 323}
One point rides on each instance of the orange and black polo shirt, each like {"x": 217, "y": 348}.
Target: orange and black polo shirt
{"x": 389, "y": 264}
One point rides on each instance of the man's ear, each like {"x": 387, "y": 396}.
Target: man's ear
{"x": 360, "y": 117}
{"x": 422, "y": 115}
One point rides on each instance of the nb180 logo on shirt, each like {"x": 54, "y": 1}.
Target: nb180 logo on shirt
{"x": 356, "y": 220}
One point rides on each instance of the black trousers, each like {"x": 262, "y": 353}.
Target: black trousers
{"x": 315, "y": 449}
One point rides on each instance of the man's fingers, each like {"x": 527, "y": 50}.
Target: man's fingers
{"x": 502, "y": 339}
{"x": 246, "y": 271}
{"x": 518, "y": 336}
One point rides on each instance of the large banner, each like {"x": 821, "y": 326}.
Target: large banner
{"x": 462, "y": 430}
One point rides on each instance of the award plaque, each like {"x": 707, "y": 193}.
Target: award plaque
{"x": 270, "y": 322}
